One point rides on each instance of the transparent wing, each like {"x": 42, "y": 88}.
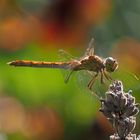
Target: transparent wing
{"x": 90, "y": 49}
{"x": 98, "y": 89}
{"x": 66, "y": 57}
{"x": 130, "y": 82}
{"x": 129, "y": 79}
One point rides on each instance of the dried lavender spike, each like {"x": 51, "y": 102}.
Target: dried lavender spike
{"x": 120, "y": 109}
{"x": 116, "y": 137}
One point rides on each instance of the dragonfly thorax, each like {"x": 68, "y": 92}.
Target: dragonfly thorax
{"x": 91, "y": 63}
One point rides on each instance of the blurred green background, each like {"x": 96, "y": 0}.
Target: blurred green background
{"x": 35, "y": 103}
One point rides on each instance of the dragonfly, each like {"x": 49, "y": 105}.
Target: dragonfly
{"x": 90, "y": 62}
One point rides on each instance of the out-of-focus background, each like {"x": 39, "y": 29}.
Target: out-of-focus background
{"x": 36, "y": 104}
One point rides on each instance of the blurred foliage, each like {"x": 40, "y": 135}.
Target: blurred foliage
{"x": 35, "y": 103}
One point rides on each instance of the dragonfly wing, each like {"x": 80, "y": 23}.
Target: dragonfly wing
{"x": 67, "y": 77}
{"x": 130, "y": 80}
{"x": 84, "y": 77}
{"x": 66, "y": 57}
{"x": 90, "y": 49}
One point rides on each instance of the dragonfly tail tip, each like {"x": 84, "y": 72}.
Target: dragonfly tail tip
{"x": 11, "y": 63}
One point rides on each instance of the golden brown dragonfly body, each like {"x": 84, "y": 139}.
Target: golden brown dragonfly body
{"x": 90, "y": 62}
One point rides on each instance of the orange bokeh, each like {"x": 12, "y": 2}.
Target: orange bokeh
{"x": 127, "y": 53}
{"x": 69, "y": 22}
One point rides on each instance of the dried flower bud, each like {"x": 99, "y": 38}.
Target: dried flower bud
{"x": 125, "y": 126}
{"x": 120, "y": 108}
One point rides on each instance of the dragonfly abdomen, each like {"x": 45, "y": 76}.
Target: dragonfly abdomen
{"x": 39, "y": 64}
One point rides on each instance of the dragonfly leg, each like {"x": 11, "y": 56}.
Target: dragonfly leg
{"x": 102, "y": 77}
{"x": 90, "y": 84}
{"x": 68, "y": 76}
{"x": 107, "y": 76}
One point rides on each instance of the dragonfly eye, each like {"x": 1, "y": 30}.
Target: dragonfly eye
{"x": 110, "y": 64}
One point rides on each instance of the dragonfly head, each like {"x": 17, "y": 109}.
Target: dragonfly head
{"x": 110, "y": 64}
